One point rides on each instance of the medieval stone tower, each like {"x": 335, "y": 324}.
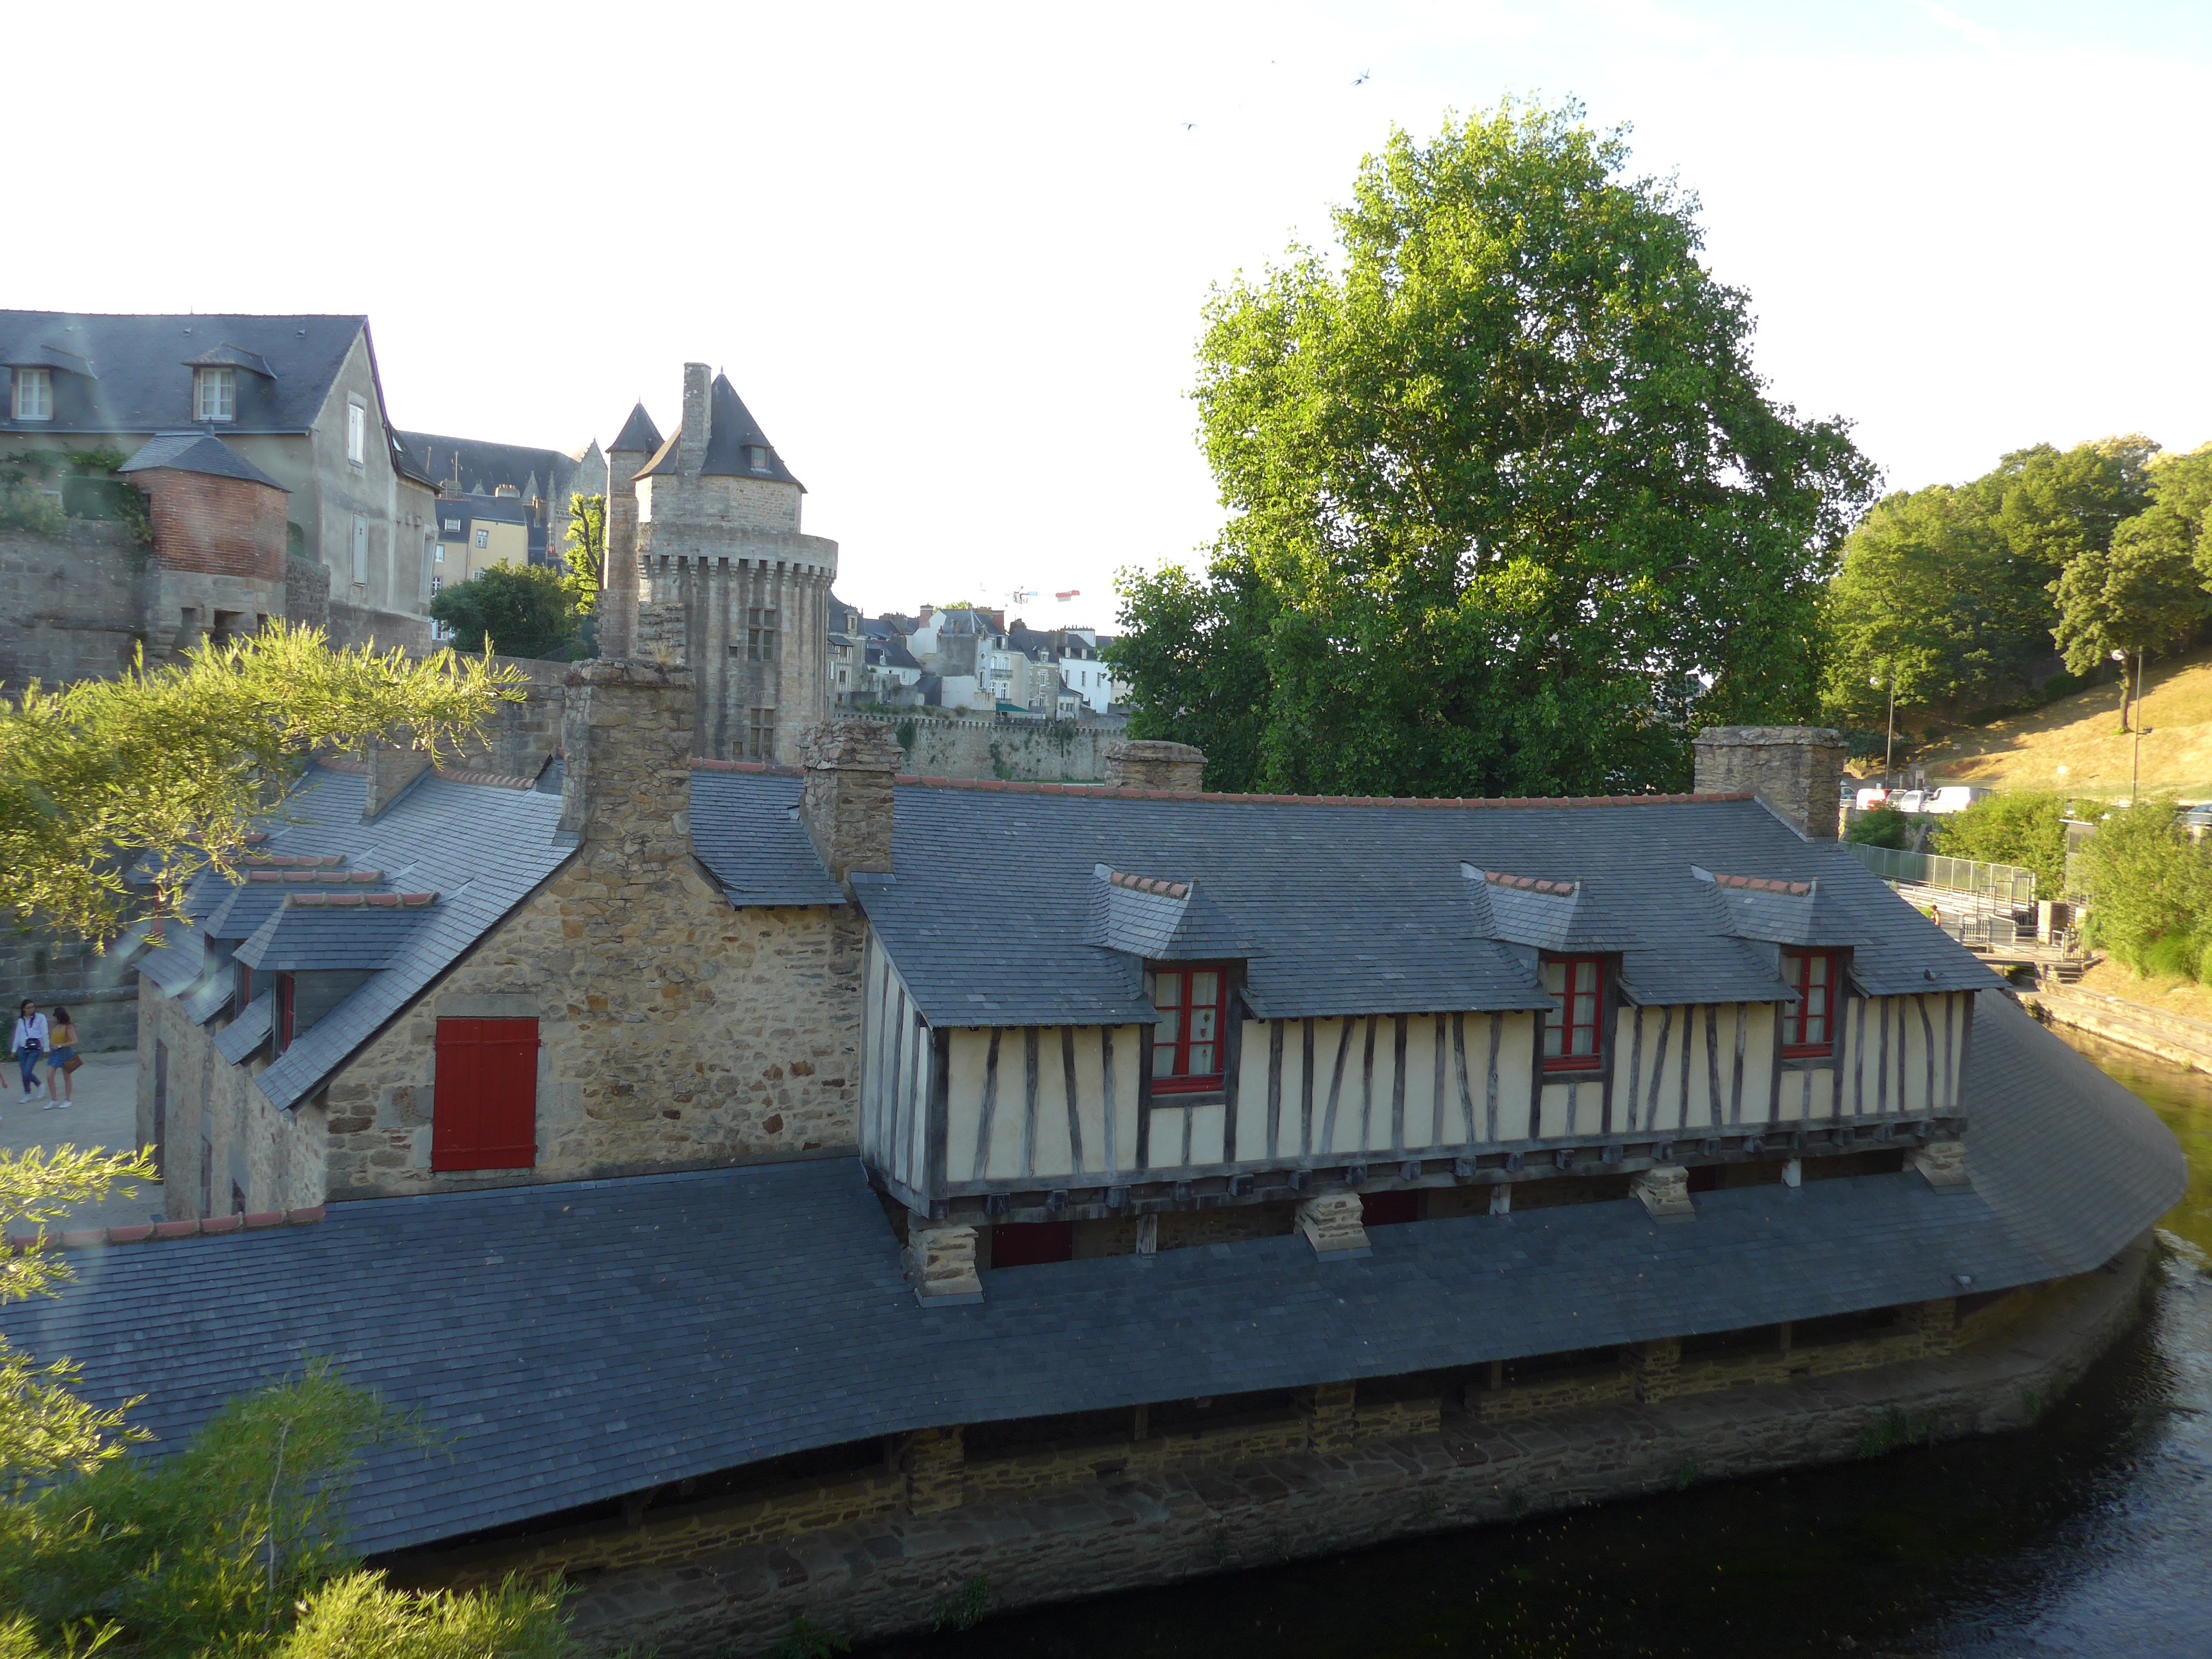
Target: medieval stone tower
{"x": 707, "y": 569}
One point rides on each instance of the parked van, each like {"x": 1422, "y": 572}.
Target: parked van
{"x": 1955, "y": 797}
{"x": 1873, "y": 796}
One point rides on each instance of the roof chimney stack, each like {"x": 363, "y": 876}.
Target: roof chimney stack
{"x": 626, "y": 768}
{"x": 1797, "y": 770}
{"x": 698, "y": 418}
{"x": 851, "y": 766}
{"x": 1151, "y": 764}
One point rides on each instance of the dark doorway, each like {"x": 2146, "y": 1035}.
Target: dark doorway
{"x": 1389, "y": 1209}
{"x": 1026, "y": 1243}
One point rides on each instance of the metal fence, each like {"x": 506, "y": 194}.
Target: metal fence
{"x": 2008, "y": 882}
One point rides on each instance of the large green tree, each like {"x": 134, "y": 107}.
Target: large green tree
{"x": 2146, "y": 591}
{"x": 585, "y": 551}
{"x": 515, "y": 610}
{"x": 1510, "y": 510}
{"x": 1950, "y": 591}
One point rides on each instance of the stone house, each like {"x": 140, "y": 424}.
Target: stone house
{"x": 773, "y": 1229}
{"x": 297, "y": 397}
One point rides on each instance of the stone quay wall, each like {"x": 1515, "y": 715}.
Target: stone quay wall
{"x": 1024, "y": 751}
{"x": 1089, "y": 1531}
{"x": 73, "y": 605}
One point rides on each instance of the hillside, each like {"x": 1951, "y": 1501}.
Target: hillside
{"x": 2076, "y": 743}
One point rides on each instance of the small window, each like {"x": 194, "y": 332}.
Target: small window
{"x": 1187, "y": 1046}
{"x": 760, "y": 633}
{"x": 453, "y": 523}
{"x": 1570, "y": 1028}
{"x": 484, "y": 538}
{"x": 360, "y": 551}
{"x": 483, "y": 1112}
{"x": 214, "y": 394}
{"x": 762, "y": 733}
{"x": 244, "y": 987}
{"x": 438, "y": 555}
{"x": 356, "y": 434}
{"x": 437, "y": 586}
{"x": 1808, "y": 1026}
{"x": 756, "y": 458}
{"x": 34, "y": 394}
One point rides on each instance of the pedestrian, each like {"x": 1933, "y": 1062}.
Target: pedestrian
{"x": 29, "y": 1044}
{"x": 61, "y": 1061}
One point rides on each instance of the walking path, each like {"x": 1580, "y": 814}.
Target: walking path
{"x": 105, "y": 1114}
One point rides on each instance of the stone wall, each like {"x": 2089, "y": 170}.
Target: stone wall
{"x": 307, "y": 593}
{"x": 72, "y": 605}
{"x": 1026, "y": 751}
{"x": 351, "y": 625}
{"x": 677, "y": 1032}
{"x": 523, "y": 735}
{"x": 1088, "y": 1530}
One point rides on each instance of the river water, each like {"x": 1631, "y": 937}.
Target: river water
{"x": 2089, "y": 1534}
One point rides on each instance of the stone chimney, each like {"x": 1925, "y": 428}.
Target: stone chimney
{"x": 626, "y": 778}
{"x": 1797, "y": 770}
{"x": 698, "y": 418}
{"x": 846, "y": 805}
{"x": 633, "y": 447}
{"x": 1151, "y": 764}
{"x": 390, "y": 769}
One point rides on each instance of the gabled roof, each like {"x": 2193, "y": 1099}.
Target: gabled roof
{"x": 338, "y": 933}
{"x": 226, "y": 356}
{"x": 1354, "y": 908}
{"x": 732, "y": 436}
{"x": 745, "y": 830}
{"x": 483, "y": 466}
{"x": 1150, "y": 918}
{"x": 239, "y": 1039}
{"x": 133, "y": 374}
{"x": 638, "y": 436}
{"x": 1784, "y": 912}
{"x": 196, "y": 451}
{"x": 570, "y": 1343}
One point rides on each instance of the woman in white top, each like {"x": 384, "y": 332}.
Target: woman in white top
{"x": 30, "y": 1044}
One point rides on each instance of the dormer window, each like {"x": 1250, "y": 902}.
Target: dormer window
{"x": 214, "y": 394}
{"x": 1808, "y": 1028}
{"x": 1187, "y": 1046}
{"x": 34, "y": 394}
{"x": 756, "y": 458}
{"x": 1571, "y": 1034}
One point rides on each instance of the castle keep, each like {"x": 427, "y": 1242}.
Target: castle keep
{"x": 705, "y": 553}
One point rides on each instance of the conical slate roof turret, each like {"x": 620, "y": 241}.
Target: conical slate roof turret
{"x": 639, "y": 436}
{"x": 735, "y": 445}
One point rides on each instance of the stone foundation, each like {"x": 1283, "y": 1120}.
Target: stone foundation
{"x": 1050, "y": 1526}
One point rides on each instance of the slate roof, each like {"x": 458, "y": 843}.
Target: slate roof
{"x": 1353, "y": 908}
{"x": 249, "y": 1031}
{"x": 638, "y": 435}
{"x": 196, "y": 451}
{"x": 140, "y": 377}
{"x": 483, "y": 466}
{"x": 567, "y": 1344}
{"x": 240, "y": 913}
{"x": 745, "y": 830}
{"x": 730, "y": 430}
{"x": 335, "y": 940}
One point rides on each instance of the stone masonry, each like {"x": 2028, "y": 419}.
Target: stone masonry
{"x": 1798, "y": 770}
{"x": 1151, "y": 763}
{"x": 677, "y": 1032}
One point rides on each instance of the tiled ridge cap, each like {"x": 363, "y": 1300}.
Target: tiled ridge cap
{"x": 1103, "y": 792}
{"x": 1763, "y": 884}
{"x": 358, "y": 901}
{"x": 213, "y": 1226}
{"x": 294, "y": 860}
{"x": 1174, "y": 890}
{"x": 1529, "y": 884}
{"x": 319, "y": 877}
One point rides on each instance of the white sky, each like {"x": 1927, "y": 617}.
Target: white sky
{"x": 953, "y": 256}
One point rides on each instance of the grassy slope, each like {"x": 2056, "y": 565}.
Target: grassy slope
{"x": 2076, "y": 743}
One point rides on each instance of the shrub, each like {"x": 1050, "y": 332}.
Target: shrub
{"x": 523, "y": 610}
{"x": 2174, "y": 954}
{"x": 1883, "y": 827}
{"x": 2147, "y": 883}
{"x": 2027, "y": 829}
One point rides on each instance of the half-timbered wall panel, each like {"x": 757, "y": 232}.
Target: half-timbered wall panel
{"x": 1056, "y": 1103}
{"x": 895, "y": 1064}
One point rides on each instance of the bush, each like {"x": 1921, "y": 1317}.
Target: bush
{"x": 2148, "y": 882}
{"x": 1883, "y": 827}
{"x": 523, "y": 610}
{"x": 2175, "y": 955}
{"x": 2027, "y": 829}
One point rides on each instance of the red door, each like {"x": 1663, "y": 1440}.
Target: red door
{"x": 484, "y": 1115}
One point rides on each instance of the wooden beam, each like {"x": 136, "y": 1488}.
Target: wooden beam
{"x": 1029, "y": 1099}
{"x": 1398, "y": 1085}
{"x": 1735, "y": 1077}
{"x": 1106, "y": 1070}
{"x": 1490, "y": 1085}
{"x": 940, "y": 1109}
{"x": 1658, "y": 1069}
{"x": 1305, "y": 1087}
{"x": 1274, "y": 1088}
{"x": 1074, "y": 1109}
{"x": 1335, "y": 1087}
{"x": 1367, "y": 1085}
{"x": 982, "y": 1167}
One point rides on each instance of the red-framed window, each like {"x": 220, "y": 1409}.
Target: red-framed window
{"x": 1189, "y": 1043}
{"x": 1572, "y": 1040}
{"x": 1809, "y": 1027}
{"x": 287, "y": 985}
{"x": 244, "y": 987}
{"x": 485, "y": 1109}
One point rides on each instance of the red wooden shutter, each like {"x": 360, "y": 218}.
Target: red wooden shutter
{"x": 484, "y": 1115}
